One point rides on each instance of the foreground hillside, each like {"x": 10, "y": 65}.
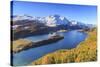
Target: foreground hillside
{"x": 85, "y": 51}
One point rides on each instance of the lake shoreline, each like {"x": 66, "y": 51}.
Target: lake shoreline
{"x": 57, "y": 46}
{"x": 68, "y": 51}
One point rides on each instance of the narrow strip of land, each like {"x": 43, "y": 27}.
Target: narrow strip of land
{"x": 22, "y": 44}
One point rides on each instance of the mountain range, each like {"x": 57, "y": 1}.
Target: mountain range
{"x": 29, "y": 25}
{"x": 51, "y": 21}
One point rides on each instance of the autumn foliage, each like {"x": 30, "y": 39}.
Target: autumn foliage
{"x": 84, "y": 52}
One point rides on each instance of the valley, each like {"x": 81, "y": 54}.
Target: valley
{"x": 32, "y": 35}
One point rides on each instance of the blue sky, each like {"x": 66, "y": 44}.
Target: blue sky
{"x": 82, "y": 13}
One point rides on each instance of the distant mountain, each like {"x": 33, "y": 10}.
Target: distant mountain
{"x": 49, "y": 21}
{"x": 25, "y": 25}
{"x": 56, "y": 20}
{"x": 53, "y": 20}
{"x": 23, "y": 17}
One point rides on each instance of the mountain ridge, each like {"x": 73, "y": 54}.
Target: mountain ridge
{"x": 51, "y": 20}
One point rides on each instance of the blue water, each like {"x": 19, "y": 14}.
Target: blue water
{"x": 71, "y": 40}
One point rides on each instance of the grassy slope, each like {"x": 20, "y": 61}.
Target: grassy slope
{"x": 85, "y": 51}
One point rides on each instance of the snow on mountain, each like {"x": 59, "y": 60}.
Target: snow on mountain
{"x": 50, "y": 21}
{"x": 23, "y": 17}
{"x": 55, "y": 20}
{"x": 73, "y": 23}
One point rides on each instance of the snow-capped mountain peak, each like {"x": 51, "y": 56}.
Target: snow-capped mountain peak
{"x": 55, "y": 20}
{"x": 22, "y": 17}
{"x": 52, "y": 20}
